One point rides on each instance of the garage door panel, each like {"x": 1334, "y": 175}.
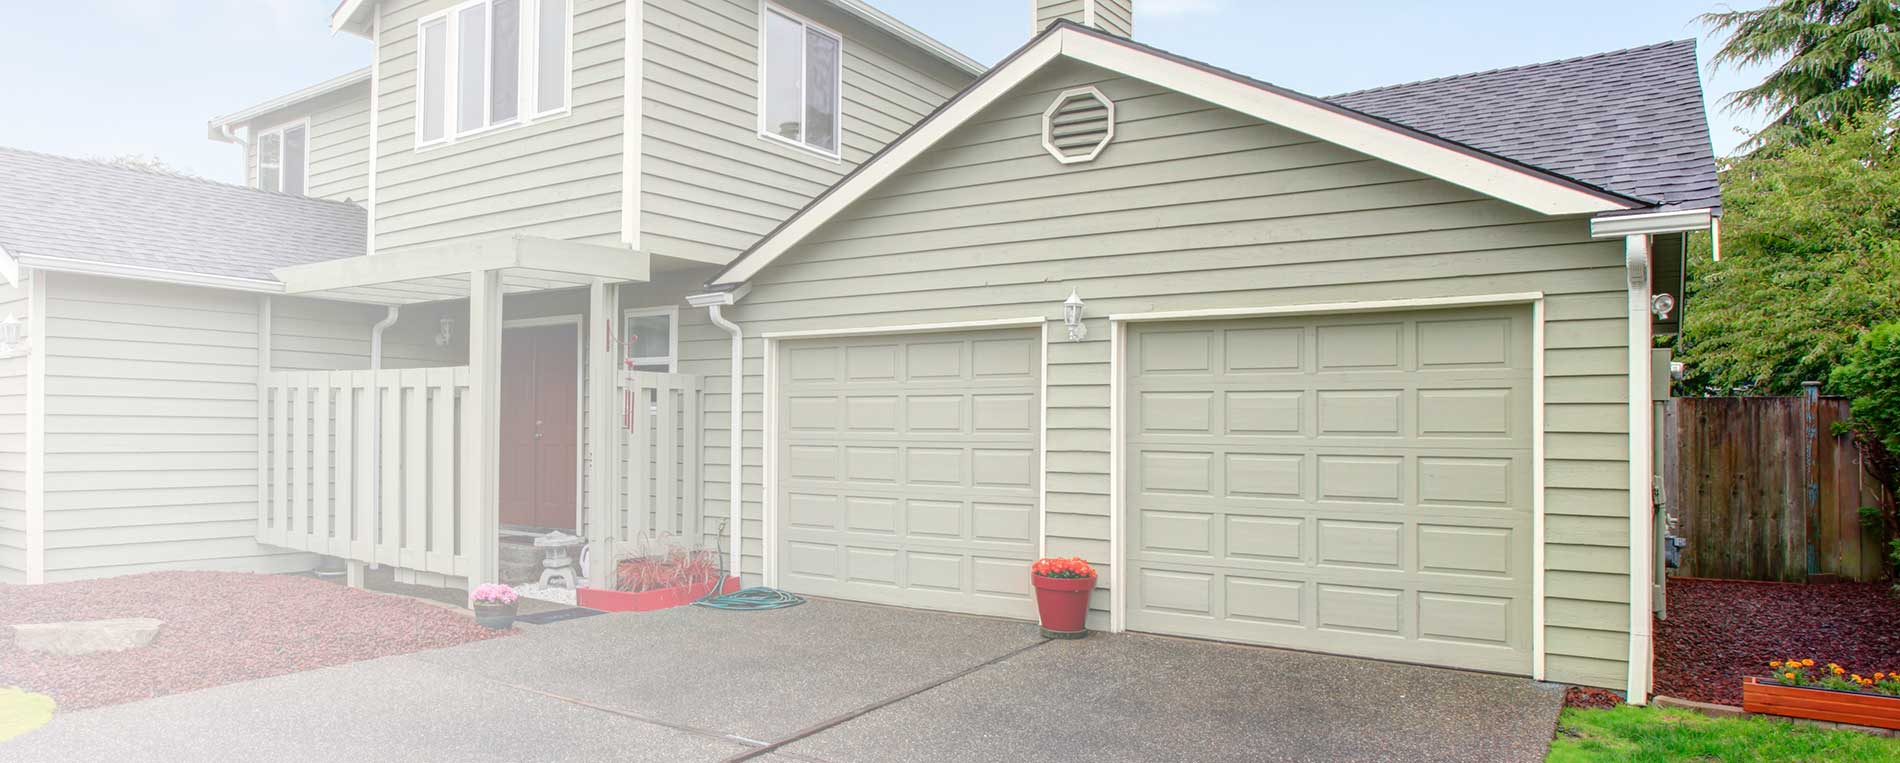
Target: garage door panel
{"x": 922, "y": 489}
{"x": 1357, "y": 485}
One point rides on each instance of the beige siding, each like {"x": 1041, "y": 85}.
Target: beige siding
{"x": 339, "y": 144}
{"x": 711, "y": 185}
{"x": 1049, "y": 11}
{"x": 13, "y": 385}
{"x": 1198, "y": 207}
{"x": 151, "y": 417}
{"x": 556, "y": 177}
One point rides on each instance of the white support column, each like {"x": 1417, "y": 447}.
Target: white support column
{"x": 603, "y": 432}
{"x": 1636, "y": 254}
{"x": 481, "y": 480}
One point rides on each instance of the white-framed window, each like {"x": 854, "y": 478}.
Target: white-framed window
{"x": 283, "y": 158}
{"x": 489, "y": 64}
{"x": 801, "y": 74}
{"x": 652, "y": 338}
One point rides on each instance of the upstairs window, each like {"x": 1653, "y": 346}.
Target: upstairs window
{"x": 283, "y": 158}
{"x": 801, "y": 73}
{"x": 486, "y": 64}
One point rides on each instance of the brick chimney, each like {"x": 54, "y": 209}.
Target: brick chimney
{"x": 1111, "y": 16}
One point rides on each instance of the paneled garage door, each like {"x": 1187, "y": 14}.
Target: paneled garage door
{"x": 907, "y": 469}
{"x": 1354, "y": 484}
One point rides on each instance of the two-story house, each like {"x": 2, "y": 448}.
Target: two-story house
{"x": 1369, "y": 374}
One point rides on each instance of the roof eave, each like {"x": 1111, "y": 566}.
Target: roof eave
{"x": 352, "y": 16}
{"x": 216, "y": 127}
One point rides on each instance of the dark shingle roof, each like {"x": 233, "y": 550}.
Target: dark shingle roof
{"x": 53, "y": 206}
{"x": 1630, "y": 121}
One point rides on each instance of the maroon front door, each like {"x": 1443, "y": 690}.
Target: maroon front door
{"x": 540, "y": 389}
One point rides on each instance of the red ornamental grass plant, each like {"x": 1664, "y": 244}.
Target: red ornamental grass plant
{"x": 1056, "y": 567}
{"x": 1805, "y": 673}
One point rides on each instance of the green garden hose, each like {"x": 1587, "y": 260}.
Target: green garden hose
{"x": 754, "y": 599}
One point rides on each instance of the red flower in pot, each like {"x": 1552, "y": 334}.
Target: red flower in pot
{"x": 1062, "y": 595}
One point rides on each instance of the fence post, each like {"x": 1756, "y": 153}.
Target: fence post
{"x": 1811, "y": 494}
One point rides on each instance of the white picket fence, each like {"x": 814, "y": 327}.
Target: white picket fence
{"x": 318, "y": 466}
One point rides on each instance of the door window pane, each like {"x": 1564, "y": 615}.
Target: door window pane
{"x": 821, "y": 90}
{"x": 551, "y": 57}
{"x": 435, "y": 70}
{"x": 295, "y": 144}
{"x": 784, "y": 76}
{"x": 270, "y": 148}
{"x": 471, "y": 93}
{"x": 504, "y": 96}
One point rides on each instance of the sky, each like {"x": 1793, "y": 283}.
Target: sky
{"x": 104, "y": 78}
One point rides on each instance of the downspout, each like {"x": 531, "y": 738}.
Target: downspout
{"x": 376, "y": 421}
{"x": 735, "y": 427}
{"x": 244, "y": 151}
{"x": 1637, "y": 263}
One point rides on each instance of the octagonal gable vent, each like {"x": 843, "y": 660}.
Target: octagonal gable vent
{"x": 1078, "y": 125}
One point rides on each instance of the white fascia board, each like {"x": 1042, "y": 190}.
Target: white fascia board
{"x": 897, "y": 155}
{"x": 902, "y": 31}
{"x": 9, "y": 267}
{"x": 215, "y": 128}
{"x": 1516, "y": 185}
{"x": 155, "y": 275}
{"x": 1651, "y": 223}
{"x": 345, "y": 17}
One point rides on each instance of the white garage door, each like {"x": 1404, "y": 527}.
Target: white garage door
{"x": 1355, "y": 484}
{"x": 908, "y": 469}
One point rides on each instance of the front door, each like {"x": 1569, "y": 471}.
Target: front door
{"x": 540, "y": 389}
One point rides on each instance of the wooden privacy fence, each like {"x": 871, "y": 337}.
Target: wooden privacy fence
{"x": 660, "y": 460}
{"x": 318, "y": 466}
{"x": 1762, "y": 489}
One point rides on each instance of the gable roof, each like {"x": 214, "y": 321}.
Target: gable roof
{"x": 1631, "y": 121}
{"x": 214, "y": 129}
{"x": 1498, "y": 176}
{"x": 353, "y": 16}
{"x": 60, "y": 213}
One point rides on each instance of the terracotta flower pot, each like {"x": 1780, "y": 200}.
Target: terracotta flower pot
{"x": 497, "y": 616}
{"x": 1063, "y": 604}
{"x": 1857, "y": 708}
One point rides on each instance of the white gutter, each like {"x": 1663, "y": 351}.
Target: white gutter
{"x": 1651, "y": 223}
{"x": 376, "y": 419}
{"x": 217, "y": 126}
{"x": 140, "y": 273}
{"x": 735, "y": 427}
{"x": 1636, "y": 254}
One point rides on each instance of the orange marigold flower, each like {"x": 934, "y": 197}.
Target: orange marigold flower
{"x": 1789, "y": 676}
{"x": 1809, "y": 663}
{"x": 1774, "y": 663}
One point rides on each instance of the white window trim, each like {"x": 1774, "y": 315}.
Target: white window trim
{"x": 528, "y": 82}
{"x": 672, "y": 358}
{"x": 837, "y": 152}
{"x": 257, "y": 155}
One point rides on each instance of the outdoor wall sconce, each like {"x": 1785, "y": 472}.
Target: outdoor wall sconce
{"x": 9, "y": 332}
{"x": 1662, "y": 305}
{"x": 1072, "y": 317}
{"x": 444, "y": 330}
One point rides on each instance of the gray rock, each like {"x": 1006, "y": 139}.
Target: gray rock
{"x": 87, "y": 636}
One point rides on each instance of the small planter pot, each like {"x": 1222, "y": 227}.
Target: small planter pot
{"x": 497, "y": 616}
{"x": 1063, "y": 604}
{"x": 1771, "y": 698}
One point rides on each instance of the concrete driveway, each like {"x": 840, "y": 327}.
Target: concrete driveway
{"x": 828, "y": 681}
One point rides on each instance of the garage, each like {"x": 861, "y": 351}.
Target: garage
{"x": 1356, "y": 484}
{"x": 907, "y": 468}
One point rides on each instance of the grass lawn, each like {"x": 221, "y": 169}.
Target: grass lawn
{"x": 1639, "y": 734}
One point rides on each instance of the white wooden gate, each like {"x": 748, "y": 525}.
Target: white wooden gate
{"x": 659, "y": 456}
{"x": 318, "y": 463}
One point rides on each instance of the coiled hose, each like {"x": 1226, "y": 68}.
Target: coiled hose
{"x": 754, "y": 599}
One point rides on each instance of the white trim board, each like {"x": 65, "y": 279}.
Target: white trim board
{"x": 1117, "y": 471}
{"x": 1526, "y": 187}
{"x": 42, "y": 263}
{"x": 580, "y": 400}
{"x": 911, "y": 328}
{"x": 36, "y": 428}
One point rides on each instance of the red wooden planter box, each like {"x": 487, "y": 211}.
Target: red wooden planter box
{"x": 1760, "y": 696}
{"x": 648, "y": 601}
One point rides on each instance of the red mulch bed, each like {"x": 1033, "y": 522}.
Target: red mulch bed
{"x": 1594, "y": 699}
{"x": 220, "y": 628}
{"x": 1719, "y": 631}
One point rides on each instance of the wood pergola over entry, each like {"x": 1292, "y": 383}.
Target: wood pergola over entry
{"x": 456, "y": 537}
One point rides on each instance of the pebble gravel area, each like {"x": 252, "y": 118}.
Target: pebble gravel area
{"x": 1720, "y": 631}
{"x": 220, "y": 628}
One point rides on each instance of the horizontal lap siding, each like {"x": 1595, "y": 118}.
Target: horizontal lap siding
{"x": 151, "y": 419}
{"x": 558, "y": 177}
{"x": 1195, "y": 207}
{"x": 338, "y": 144}
{"x": 710, "y": 184}
{"x": 13, "y": 383}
